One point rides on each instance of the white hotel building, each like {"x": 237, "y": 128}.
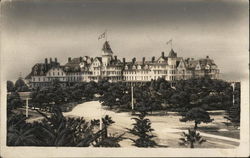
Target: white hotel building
{"x": 86, "y": 69}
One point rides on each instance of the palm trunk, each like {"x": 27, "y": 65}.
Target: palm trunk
{"x": 195, "y": 125}
{"x": 192, "y": 145}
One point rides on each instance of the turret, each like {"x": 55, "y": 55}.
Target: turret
{"x": 106, "y": 53}
{"x": 172, "y": 58}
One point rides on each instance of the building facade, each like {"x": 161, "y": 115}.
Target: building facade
{"x": 86, "y": 69}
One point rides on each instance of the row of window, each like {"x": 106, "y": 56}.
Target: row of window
{"x": 134, "y": 72}
{"x": 53, "y": 73}
{"x": 172, "y": 71}
{"x": 160, "y": 72}
{"x": 146, "y": 78}
{"x": 74, "y": 78}
{"x": 172, "y": 78}
{"x": 112, "y": 73}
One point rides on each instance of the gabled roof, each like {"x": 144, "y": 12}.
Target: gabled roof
{"x": 40, "y": 69}
{"x": 116, "y": 62}
{"x": 164, "y": 58}
{"x": 99, "y": 59}
{"x": 191, "y": 64}
{"x": 74, "y": 64}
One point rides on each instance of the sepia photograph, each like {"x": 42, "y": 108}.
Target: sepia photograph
{"x": 124, "y": 78}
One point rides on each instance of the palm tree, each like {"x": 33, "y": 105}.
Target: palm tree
{"x": 142, "y": 129}
{"x": 198, "y": 115}
{"x": 19, "y": 133}
{"x": 190, "y": 138}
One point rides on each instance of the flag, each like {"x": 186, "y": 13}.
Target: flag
{"x": 170, "y": 41}
{"x": 102, "y": 35}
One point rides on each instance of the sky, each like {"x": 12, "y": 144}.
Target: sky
{"x": 36, "y": 29}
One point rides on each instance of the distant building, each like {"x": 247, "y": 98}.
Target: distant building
{"x": 86, "y": 69}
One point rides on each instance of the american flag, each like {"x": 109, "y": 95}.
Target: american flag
{"x": 169, "y": 42}
{"x": 102, "y": 35}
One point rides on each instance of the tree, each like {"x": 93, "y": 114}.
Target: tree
{"x": 108, "y": 140}
{"x": 142, "y": 129}
{"x": 10, "y": 86}
{"x": 201, "y": 92}
{"x": 21, "y": 136}
{"x": 57, "y": 130}
{"x": 13, "y": 101}
{"x": 190, "y": 138}
{"x": 19, "y": 133}
{"x": 198, "y": 115}
{"x": 90, "y": 90}
{"x": 114, "y": 94}
{"x": 21, "y": 86}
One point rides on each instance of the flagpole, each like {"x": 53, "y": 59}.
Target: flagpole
{"x": 132, "y": 97}
{"x": 233, "y": 85}
{"x": 171, "y": 43}
{"x": 106, "y": 35}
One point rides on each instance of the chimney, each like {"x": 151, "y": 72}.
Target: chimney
{"x": 55, "y": 60}
{"x": 133, "y": 60}
{"x": 50, "y": 60}
{"x": 124, "y": 60}
{"x": 115, "y": 58}
{"x": 143, "y": 60}
{"x": 162, "y": 54}
{"x": 80, "y": 59}
{"x": 69, "y": 59}
{"x": 46, "y": 61}
{"x": 153, "y": 59}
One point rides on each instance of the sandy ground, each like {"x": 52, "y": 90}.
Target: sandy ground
{"x": 167, "y": 128}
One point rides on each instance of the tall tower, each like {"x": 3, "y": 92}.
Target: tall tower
{"x": 172, "y": 57}
{"x": 106, "y": 53}
{"x": 172, "y": 65}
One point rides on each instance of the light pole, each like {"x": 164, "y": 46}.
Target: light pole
{"x": 233, "y": 85}
{"x": 52, "y": 103}
{"x": 100, "y": 117}
{"x": 132, "y": 97}
{"x": 27, "y": 107}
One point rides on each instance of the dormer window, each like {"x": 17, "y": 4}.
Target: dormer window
{"x": 139, "y": 67}
{"x": 198, "y": 67}
{"x": 134, "y": 67}
{"x": 207, "y": 67}
{"x": 126, "y": 67}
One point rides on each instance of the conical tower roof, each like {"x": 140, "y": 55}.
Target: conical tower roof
{"x": 172, "y": 54}
{"x": 106, "y": 47}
